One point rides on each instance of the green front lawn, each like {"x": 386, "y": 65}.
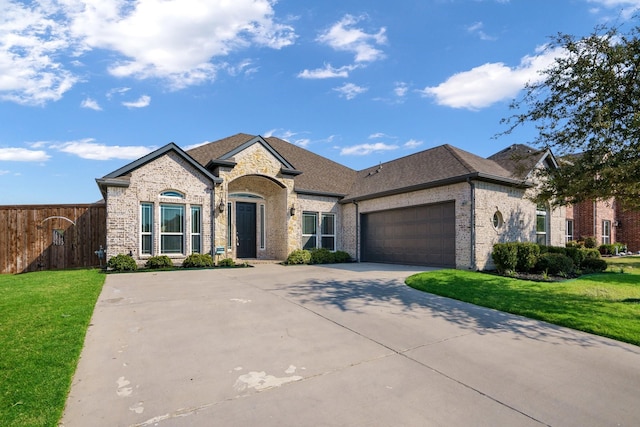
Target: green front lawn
{"x": 606, "y": 304}
{"x": 43, "y": 320}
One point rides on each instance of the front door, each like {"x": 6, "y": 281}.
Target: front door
{"x": 245, "y": 230}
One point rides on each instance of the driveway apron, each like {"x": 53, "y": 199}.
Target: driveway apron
{"x": 339, "y": 345}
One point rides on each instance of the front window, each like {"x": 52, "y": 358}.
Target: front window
{"x": 541, "y": 225}
{"x": 146, "y": 229}
{"x": 196, "y": 230}
{"x": 171, "y": 229}
{"x": 606, "y": 232}
{"x": 328, "y": 229}
{"x": 309, "y": 230}
{"x": 569, "y": 235}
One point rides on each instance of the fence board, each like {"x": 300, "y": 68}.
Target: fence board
{"x": 27, "y": 236}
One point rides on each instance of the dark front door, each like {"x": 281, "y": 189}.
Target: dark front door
{"x": 245, "y": 230}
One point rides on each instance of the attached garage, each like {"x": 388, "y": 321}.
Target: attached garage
{"x": 416, "y": 235}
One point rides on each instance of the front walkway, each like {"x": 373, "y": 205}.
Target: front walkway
{"x": 334, "y": 345}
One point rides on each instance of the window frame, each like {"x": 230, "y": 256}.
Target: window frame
{"x": 146, "y": 234}
{"x": 606, "y": 232}
{"x": 542, "y": 212}
{"x": 196, "y": 229}
{"x": 324, "y": 235}
{"x": 163, "y": 233}
{"x": 263, "y": 222}
{"x": 307, "y": 237}
{"x": 569, "y": 236}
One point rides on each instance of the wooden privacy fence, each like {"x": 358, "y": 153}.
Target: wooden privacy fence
{"x": 47, "y": 237}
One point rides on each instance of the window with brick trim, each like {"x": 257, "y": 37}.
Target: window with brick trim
{"x": 541, "y": 225}
{"x": 309, "y": 230}
{"x": 196, "y": 229}
{"x": 569, "y": 235}
{"x": 146, "y": 228}
{"x": 171, "y": 229}
{"x": 328, "y": 231}
{"x": 606, "y": 232}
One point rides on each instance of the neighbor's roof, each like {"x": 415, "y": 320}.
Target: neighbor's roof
{"x": 520, "y": 160}
{"x": 319, "y": 174}
{"x": 437, "y": 166}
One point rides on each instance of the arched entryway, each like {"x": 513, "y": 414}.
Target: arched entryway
{"x": 257, "y": 218}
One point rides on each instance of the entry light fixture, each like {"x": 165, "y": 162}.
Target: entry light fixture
{"x": 292, "y": 210}
{"x": 221, "y": 206}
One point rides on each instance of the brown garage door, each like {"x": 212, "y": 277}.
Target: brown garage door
{"x": 417, "y": 235}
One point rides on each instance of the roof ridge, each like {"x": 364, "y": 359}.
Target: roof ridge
{"x": 464, "y": 163}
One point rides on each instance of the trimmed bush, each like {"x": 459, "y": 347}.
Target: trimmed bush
{"x": 161, "y": 261}
{"x": 198, "y": 261}
{"x": 594, "y": 265}
{"x": 122, "y": 262}
{"x": 322, "y": 256}
{"x": 528, "y": 254}
{"x": 341, "y": 256}
{"x": 505, "y": 257}
{"x": 299, "y": 256}
{"x": 554, "y": 263}
{"x": 607, "y": 249}
{"x": 590, "y": 242}
{"x": 591, "y": 253}
{"x": 577, "y": 254}
{"x": 226, "y": 262}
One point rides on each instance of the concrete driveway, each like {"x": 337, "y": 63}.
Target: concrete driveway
{"x": 346, "y": 345}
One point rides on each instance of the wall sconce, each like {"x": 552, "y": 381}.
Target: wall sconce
{"x": 292, "y": 210}
{"x": 221, "y": 206}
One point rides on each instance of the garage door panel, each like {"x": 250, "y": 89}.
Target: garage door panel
{"x": 420, "y": 235}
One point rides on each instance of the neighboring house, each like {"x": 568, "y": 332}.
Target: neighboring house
{"x": 249, "y": 197}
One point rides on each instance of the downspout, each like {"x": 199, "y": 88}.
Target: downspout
{"x": 213, "y": 221}
{"x": 472, "y": 224}
{"x": 355, "y": 202}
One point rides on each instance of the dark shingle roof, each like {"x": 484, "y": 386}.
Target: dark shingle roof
{"x": 519, "y": 159}
{"x": 319, "y": 174}
{"x": 429, "y": 168}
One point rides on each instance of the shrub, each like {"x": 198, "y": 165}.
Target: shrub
{"x": 198, "y": 261}
{"x": 341, "y": 256}
{"x": 590, "y": 242}
{"x": 299, "y": 256}
{"x": 577, "y": 254}
{"x": 594, "y": 265}
{"x": 528, "y": 254}
{"x": 322, "y": 256}
{"x": 226, "y": 262}
{"x": 591, "y": 253}
{"x": 556, "y": 264}
{"x": 161, "y": 261}
{"x": 122, "y": 262}
{"x": 557, "y": 250}
{"x": 575, "y": 244}
{"x": 607, "y": 249}
{"x": 505, "y": 257}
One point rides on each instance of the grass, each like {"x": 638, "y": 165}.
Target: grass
{"x": 606, "y": 304}
{"x": 43, "y": 321}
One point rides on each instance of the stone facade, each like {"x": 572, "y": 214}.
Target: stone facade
{"x": 169, "y": 172}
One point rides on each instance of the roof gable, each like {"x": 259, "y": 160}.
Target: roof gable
{"x": 521, "y": 160}
{"x": 117, "y": 178}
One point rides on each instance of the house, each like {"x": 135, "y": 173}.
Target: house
{"x": 249, "y": 197}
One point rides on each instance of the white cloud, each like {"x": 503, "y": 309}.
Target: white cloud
{"x": 92, "y": 104}
{"x": 141, "y": 102}
{"x": 477, "y": 29}
{"x": 412, "y": 143}
{"x": 3, "y": 172}
{"x": 350, "y": 90}
{"x": 378, "y": 135}
{"x": 117, "y": 91}
{"x": 23, "y": 155}
{"x": 364, "y": 149}
{"x": 174, "y": 40}
{"x": 489, "y": 83}
{"x": 29, "y": 41}
{"x": 400, "y": 89}
{"x": 328, "y": 72}
{"x": 88, "y": 149}
{"x": 192, "y": 146}
{"x": 627, "y": 7}
{"x": 343, "y": 36}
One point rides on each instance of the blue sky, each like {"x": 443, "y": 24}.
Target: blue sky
{"x": 88, "y": 86}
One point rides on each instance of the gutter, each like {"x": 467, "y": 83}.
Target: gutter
{"x": 472, "y": 224}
